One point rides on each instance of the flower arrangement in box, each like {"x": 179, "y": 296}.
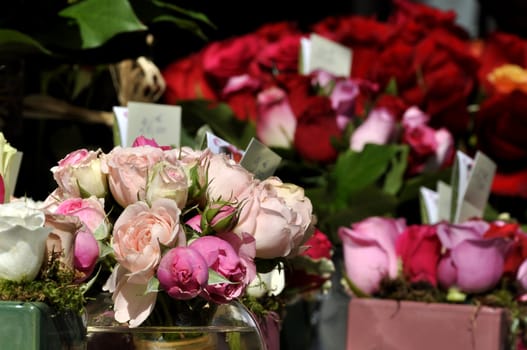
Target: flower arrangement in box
{"x": 190, "y": 229}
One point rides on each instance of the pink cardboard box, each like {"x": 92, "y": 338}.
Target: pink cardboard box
{"x": 380, "y": 324}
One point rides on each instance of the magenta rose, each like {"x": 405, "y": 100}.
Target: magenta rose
{"x": 419, "y": 249}
{"x": 144, "y": 141}
{"x": 369, "y": 251}
{"x": 183, "y": 273}
{"x": 86, "y": 253}
{"x": 222, "y": 258}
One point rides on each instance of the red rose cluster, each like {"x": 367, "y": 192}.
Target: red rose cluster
{"x": 419, "y": 57}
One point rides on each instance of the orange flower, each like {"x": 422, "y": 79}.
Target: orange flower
{"x": 508, "y": 77}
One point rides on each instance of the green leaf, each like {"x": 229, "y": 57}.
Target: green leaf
{"x": 357, "y": 170}
{"x": 215, "y": 278}
{"x": 15, "y": 41}
{"x": 395, "y": 176}
{"x": 100, "y": 20}
{"x": 189, "y": 13}
{"x": 153, "y": 286}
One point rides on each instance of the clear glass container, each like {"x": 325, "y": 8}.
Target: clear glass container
{"x": 230, "y": 326}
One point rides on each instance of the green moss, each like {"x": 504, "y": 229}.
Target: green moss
{"x": 54, "y": 286}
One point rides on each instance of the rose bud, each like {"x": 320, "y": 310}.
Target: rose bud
{"x": 219, "y": 217}
{"x": 183, "y": 273}
{"x": 86, "y": 254}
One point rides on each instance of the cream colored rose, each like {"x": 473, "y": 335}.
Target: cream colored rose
{"x": 79, "y": 174}
{"x": 278, "y": 215}
{"x": 22, "y": 241}
{"x": 167, "y": 180}
{"x": 127, "y": 170}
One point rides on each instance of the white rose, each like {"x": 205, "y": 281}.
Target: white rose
{"x": 22, "y": 241}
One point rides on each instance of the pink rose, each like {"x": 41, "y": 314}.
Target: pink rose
{"x": 239, "y": 93}
{"x": 369, "y": 251}
{"x": 132, "y": 302}
{"x": 144, "y": 141}
{"x": 378, "y": 128}
{"x": 279, "y": 217}
{"x": 472, "y": 263}
{"x": 140, "y": 230}
{"x": 127, "y": 170}
{"x": 86, "y": 253}
{"x": 79, "y": 174}
{"x": 183, "y": 273}
{"x": 226, "y": 178}
{"x": 167, "y": 180}
{"x": 62, "y": 237}
{"x": 276, "y": 123}
{"x": 430, "y": 149}
{"x": 222, "y": 258}
{"x": 90, "y": 211}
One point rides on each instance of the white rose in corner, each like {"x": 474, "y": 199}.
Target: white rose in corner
{"x": 22, "y": 241}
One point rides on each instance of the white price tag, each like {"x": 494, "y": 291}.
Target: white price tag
{"x": 154, "y": 121}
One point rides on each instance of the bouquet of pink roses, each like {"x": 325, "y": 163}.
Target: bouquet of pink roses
{"x": 480, "y": 262}
{"x": 186, "y": 224}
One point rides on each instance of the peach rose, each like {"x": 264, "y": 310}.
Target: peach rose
{"x": 140, "y": 230}
{"x": 127, "y": 170}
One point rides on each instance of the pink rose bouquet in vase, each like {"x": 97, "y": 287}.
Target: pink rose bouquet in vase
{"x": 183, "y": 233}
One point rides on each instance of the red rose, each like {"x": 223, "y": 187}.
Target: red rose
{"x": 185, "y": 80}
{"x": 517, "y": 252}
{"x": 272, "y": 32}
{"x": 501, "y": 126}
{"x": 510, "y": 184}
{"x": 427, "y": 17}
{"x": 229, "y": 58}
{"x": 316, "y": 128}
{"x": 278, "y": 57}
{"x": 420, "y": 249}
{"x": 365, "y": 36}
{"x": 318, "y": 247}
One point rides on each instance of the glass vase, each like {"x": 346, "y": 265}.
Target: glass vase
{"x": 220, "y": 326}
